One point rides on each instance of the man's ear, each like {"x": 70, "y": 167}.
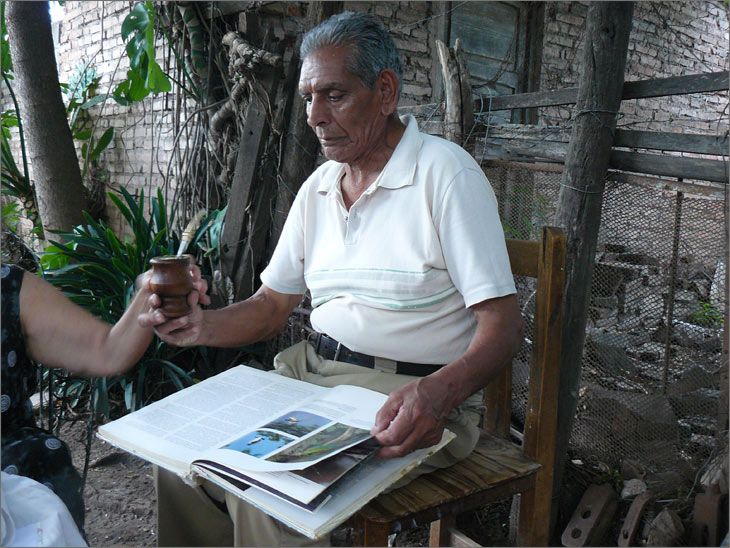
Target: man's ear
{"x": 388, "y": 87}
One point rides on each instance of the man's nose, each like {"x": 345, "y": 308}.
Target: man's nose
{"x": 316, "y": 112}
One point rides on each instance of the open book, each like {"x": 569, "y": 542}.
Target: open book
{"x": 300, "y": 452}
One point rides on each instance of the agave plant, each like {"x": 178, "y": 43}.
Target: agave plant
{"x": 97, "y": 270}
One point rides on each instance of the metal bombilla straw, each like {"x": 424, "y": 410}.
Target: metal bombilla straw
{"x": 189, "y": 232}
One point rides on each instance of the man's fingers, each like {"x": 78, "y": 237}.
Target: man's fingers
{"x": 152, "y": 318}
{"x": 171, "y": 326}
{"x": 415, "y": 440}
{"x": 397, "y": 430}
{"x": 386, "y": 414}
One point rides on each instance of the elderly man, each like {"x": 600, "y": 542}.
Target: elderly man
{"x": 398, "y": 240}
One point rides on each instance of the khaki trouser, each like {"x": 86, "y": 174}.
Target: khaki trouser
{"x": 208, "y": 516}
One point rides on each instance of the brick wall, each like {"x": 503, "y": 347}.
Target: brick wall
{"x": 137, "y": 158}
{"x": 668, "y": 39}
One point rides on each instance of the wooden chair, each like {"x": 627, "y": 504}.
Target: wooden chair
{"x": 498, "y": 468}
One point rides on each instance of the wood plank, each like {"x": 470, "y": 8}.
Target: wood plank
{"x": 439, "y": 534}
{"x": 652, "y": 164}
{"x": 498, "y": 403}
{"x": 542, "y": 404}
{"x": 523, "y": 257}
{"x": 495, "y": 470}
{"x": 672, "y": 166}
{"x": 656, "y": 87}
{"x": 459, "y": 540}
{"x": 677, "y": 142}
{"x": 255, "y": 131}
{"x": 654, "y": 140}
{"x": 676, "y": 85}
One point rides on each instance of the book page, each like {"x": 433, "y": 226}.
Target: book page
{"x": 304, "y": 434}
{"x": 174, "y": 431}
{"x": 350, "y": 494}
{"x": 306, "y": 488}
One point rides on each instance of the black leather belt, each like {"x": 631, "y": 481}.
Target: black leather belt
{"x": 331, "y": 349}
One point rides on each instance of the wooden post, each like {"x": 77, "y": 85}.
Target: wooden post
{"x": 608, "y": 25}
{"x": 300, "y": 148}
{"x": 459, "y": 115}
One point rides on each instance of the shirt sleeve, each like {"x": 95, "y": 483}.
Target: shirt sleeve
{"x": 472, "y": 239}
{"x": 285, "y": 271}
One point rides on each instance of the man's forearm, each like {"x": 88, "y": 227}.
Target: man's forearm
{"x": 258, "y": 318}
{"x": 496, "y": 341}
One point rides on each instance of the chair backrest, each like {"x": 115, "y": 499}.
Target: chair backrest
{"x": 543, "y": 260}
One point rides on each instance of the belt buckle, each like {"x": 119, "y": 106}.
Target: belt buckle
{"x": 385, "y": 365}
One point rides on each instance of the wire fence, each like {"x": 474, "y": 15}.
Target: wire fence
{"x": 652, "y": 362}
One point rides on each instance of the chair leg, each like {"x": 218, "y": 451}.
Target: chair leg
{"x": 534, "y": 516}
{"x": 440, "y": 531}
{"x": 370, "y": 533}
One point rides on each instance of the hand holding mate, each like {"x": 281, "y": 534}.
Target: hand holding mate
{"x": 182, "y": 331}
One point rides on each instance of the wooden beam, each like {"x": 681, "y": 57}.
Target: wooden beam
{"x": 452, "y": 88}
{"x": 670, "y": 166}
{"x": 656, "y": 87}
{"x": 651, "y": 164}
{"x": 677, "y": 142}
{"x": 676, "y": 85}
{"x": 716, "y": 145}
{"x": 527, "y": 100}
{"x": 250, "y": 147}
{"x": 608, "y": 25}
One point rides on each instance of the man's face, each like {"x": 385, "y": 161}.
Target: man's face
{"x": 345, "y": 115}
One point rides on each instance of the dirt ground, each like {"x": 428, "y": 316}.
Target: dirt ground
{"x": 119, "y": 492}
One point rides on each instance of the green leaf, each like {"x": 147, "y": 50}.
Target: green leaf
{"x": 53, "y": 258}
{"x": 137, "y": 20}
{"x": 157, "y": 81}
{"x": 104, "y": 141}
{"x": 137, "y": 52}
{"x": 82, "y": 135}
{"x": 6, "y": 63}
{"x": 94, "y": 101}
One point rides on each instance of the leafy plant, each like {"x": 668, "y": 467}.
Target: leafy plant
{"x": 81, "y": 95}
{"x": 706, "y": 315}
{"x": 144, "y": 75}
{"x": 97, "y": 270}
{"x": 15, "y": 182}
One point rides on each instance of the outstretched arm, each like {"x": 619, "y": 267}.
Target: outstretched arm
{"x": 59, "y": 333}
{"x": 414, "y": 415}
{"x": 258, "y": 318}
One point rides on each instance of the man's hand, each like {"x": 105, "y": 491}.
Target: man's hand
{"x": 413, "y": 417}
{"x": 182, "y": 331}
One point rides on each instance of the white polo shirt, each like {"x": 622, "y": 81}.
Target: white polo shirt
{"x": 393, "y": 277}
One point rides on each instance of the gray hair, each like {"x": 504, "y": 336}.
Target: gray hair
{"x": 372, "y": 48}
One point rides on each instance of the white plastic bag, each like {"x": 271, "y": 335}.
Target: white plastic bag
{"x": 33, "y": 515}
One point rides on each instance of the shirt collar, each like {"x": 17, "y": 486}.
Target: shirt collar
{"x": 397, "y": 173}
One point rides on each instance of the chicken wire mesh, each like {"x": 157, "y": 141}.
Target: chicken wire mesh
{"x": 652, "y": 360}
